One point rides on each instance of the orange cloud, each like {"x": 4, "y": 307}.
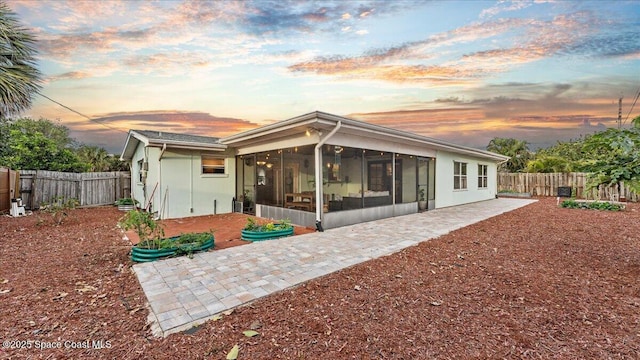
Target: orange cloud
{"x": 112, "y": 133}
{"x": 398, "y": 64}
{"x": 197, "y": 123}
{"x": 476, "y": 124}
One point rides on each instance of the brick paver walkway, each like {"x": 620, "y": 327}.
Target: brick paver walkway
{"x": 184, "y": 292}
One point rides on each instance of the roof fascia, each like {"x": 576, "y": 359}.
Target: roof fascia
{"x": 129, "y": 145}
{"x": 186, "y": 145}
{"x": 318, "y": 117}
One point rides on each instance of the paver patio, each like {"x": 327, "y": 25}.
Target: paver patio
{"x": 185, "y": 292}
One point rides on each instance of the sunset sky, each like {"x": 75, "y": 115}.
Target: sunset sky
{"x": 464, "y": 71}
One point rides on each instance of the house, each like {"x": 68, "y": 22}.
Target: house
{"x": 316, "y": 169}
{"x": 177, "y": 175}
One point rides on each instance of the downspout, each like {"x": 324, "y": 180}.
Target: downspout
{"x": 318, "y": 176}
{"x": 191, "y": 186}
{"x": 393, "y": 181}
{"x": 145, "y": 158}
{"x": 164, "y": 148}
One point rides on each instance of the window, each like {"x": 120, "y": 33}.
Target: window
{"x": 212, "y": 165}
{"x": 482, "y": 177}
{"x": 459, "y": 175}
{"x": 376, "y": 177}
{"x": 140, "y": 170}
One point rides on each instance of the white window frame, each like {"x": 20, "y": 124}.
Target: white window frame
{"x": 460, "y": 171}
{"x": 483, "y": 176}
{"x": 140, "y": 169}
{"x": 218, "y": 170}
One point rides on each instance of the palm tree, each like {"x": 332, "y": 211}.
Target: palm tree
{"x": 549, "y": 164}
{"x": 19, "y": 78}
{"x": 97, "y": 158}
{"x": 517, "y": 150}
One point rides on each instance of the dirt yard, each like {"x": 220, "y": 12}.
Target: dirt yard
{"x": 538, "y": 282}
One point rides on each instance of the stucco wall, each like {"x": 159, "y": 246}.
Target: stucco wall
{"x": 141, "y": 190}
{"x": 185, "y": 191}
{"x": 445, "y": 193}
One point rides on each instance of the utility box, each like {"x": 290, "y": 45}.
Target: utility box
{"x": 564, "y": 191}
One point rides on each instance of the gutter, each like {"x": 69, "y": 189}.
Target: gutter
{"x": 318, "y": 175}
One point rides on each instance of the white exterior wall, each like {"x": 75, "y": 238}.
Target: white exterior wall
{"x": 186, "y": 191}
{"x": 447, "y": 196}
{"x": 141, "y": 190}
{"x": 137, "y": 187}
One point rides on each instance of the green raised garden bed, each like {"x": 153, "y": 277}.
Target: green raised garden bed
{"x": 592, "y": 205}
{"x": 171, "y": 247}
{"x": 251, "y": 235}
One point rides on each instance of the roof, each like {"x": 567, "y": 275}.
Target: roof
{"x": 155, "y": 138}
{"x": 326, "y": 122}
{"x": 163, "y": 136}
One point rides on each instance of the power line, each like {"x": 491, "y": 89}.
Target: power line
{"x": 632, "y": 105}
{"x": 81, "y": 114}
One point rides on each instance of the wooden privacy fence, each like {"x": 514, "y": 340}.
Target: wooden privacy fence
{"x": 9, "y": 187}
{"x": 546, "y": 184}
{"x": 90, "y": 189}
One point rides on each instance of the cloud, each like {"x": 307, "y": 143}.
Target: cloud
{"x": 169, "y": 64}
{"x": 71, "y": 75}
{"x": 227, "y": 31}
{"x": 540, "y": 113}
{"x": 188, "y": 122}
{"x": 196, "y": 123}
{"x": 515, "y": 41}
{"x": 358, "y": 69}
{"x": 391, "y": 64}
{"x": 506, "y": 6}
{"x": 62, "y": 47}
{"x": 621, "y": 44}
{"x": 472, "y": 127}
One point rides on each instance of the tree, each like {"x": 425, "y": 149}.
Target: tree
{"x": 568, "y": 150}
{"x": 549, "y": 164}
{"x": 636, "y": 122}
{"x": 517, "y": 150}
{"x": 19, "y": 77}
{"x": 96, "y": 158}
{"x": 42, "y": 144}
{"x": 115, "y": 164}
{"x": 53, "y": 130}
{"x": 613, "y": 156}
{"x": 38, "y": 145}
{"x": 35, "y": 151}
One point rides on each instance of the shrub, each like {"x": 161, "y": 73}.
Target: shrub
{"x": 148, "y": 229}
{"x": 59, "y": 207}
{"x": 252, "y": 225}
{"x": 595, "y": 205}
{"x": 127, "y": 201}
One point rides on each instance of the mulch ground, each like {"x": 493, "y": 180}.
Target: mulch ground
{"x": 225, "y": 227}
{"x": 537, "y": 282}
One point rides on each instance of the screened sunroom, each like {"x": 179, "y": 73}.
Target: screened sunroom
{"x": 328, "y": 171}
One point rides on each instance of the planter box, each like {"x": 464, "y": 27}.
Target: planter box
{"x": 126, "y": 207}
{"x": 146, "y": 255}
{"x": 515, "y": 194}
{"x": 252, "y": 236}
